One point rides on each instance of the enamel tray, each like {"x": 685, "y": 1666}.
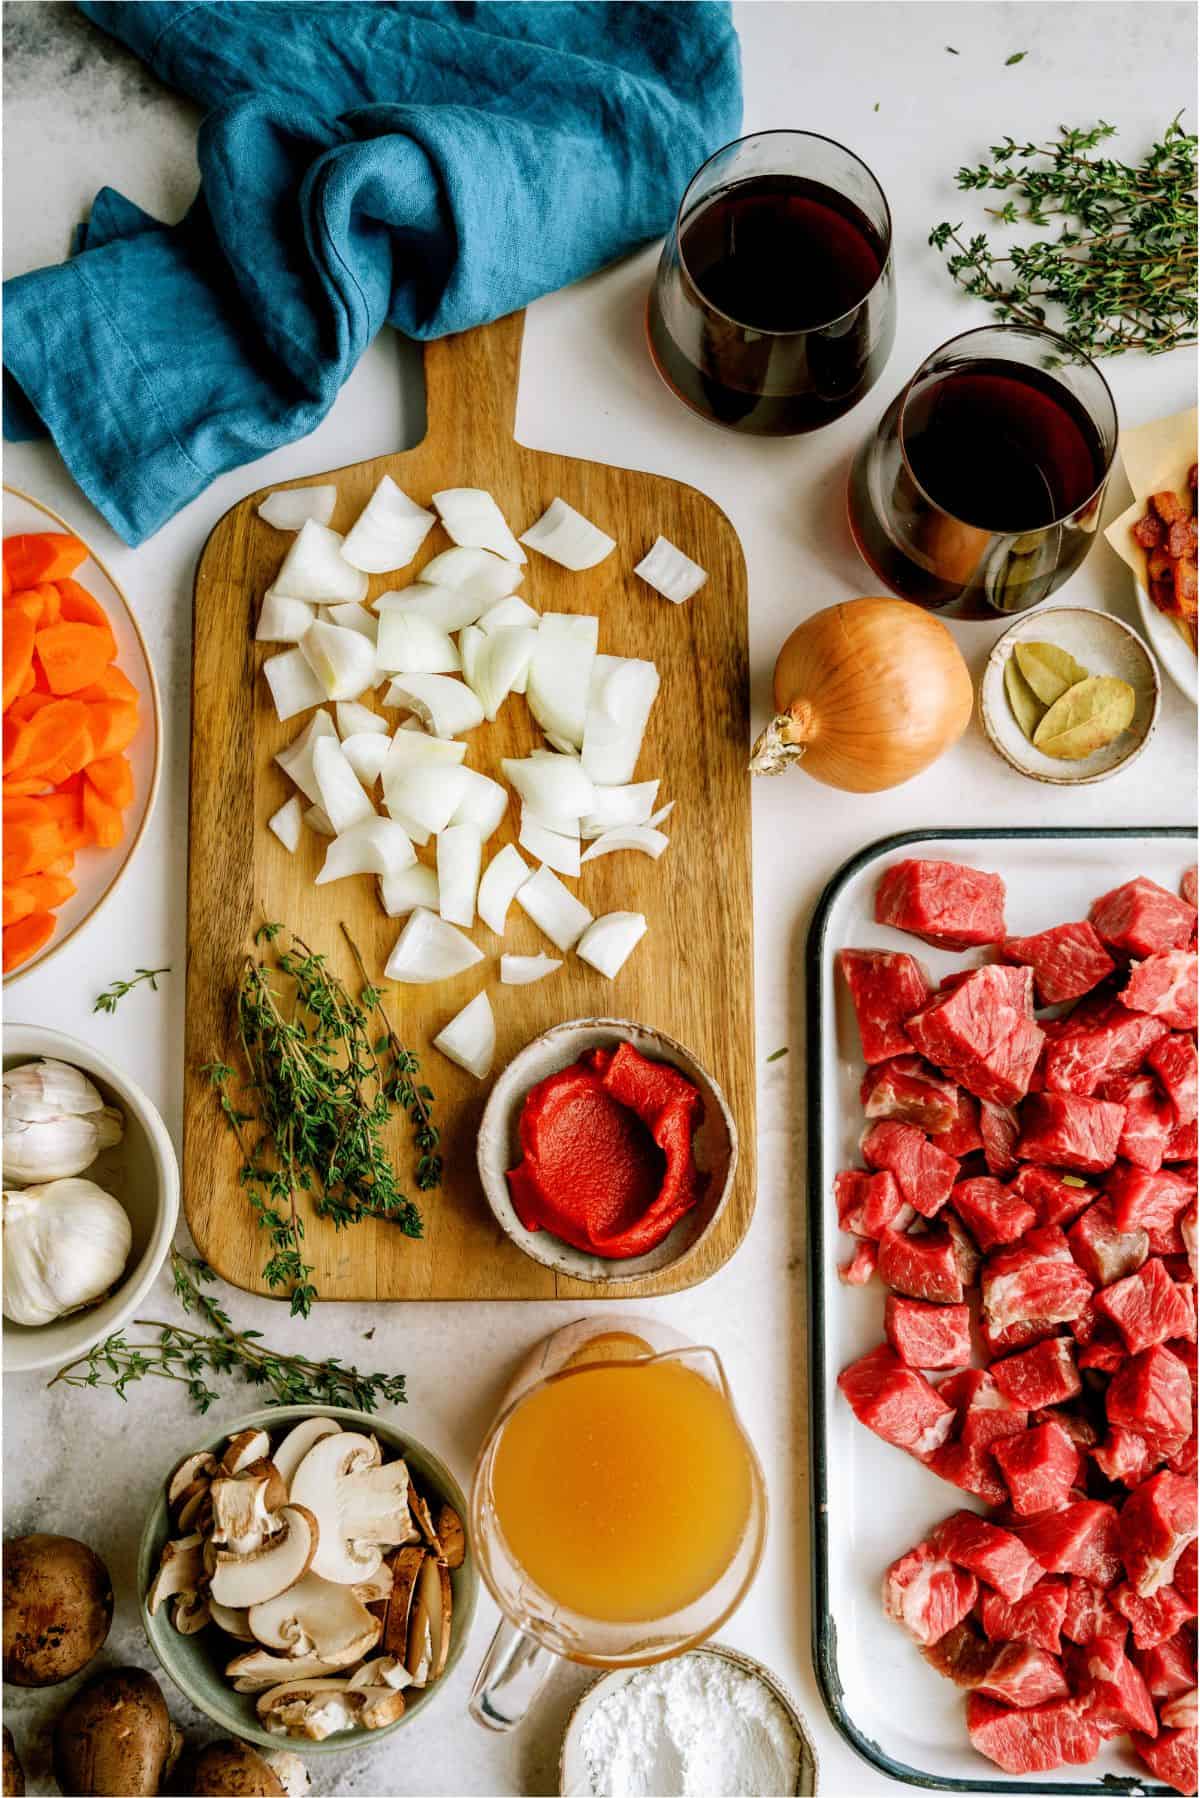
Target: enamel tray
{"x": 870, "y": 1501}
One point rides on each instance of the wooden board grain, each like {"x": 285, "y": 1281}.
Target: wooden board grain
{"x": 692, "y": 975}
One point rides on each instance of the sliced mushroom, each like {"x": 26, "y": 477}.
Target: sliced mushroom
{"x": 288, "y": 1454}
{"x": 377, "y": 1589}
{"x": 261, "y": 1670}
{"x": 196, "y": 1511}
{"x": 244, "y": 1580}
{"x": 180, "y": 1569}
{"x": 429, "y": 1623}
{"x": 406, "y": 1568}
{"x": 191, "y": 1470}
{"x": 290, "y": 1771}
{"x": 318, "y": 1708}
{"x": 452, "y": 1536}
{"x": 381, "y": 1706}
{"x": 361, "y": 1505}
{"x": 381, "y": 1670}
{"x": 246, "y": 1506}
{"x": 246, "y": 1446}
{"x": 317, "y": 1617}
{"x": 235, "y": 1623}
{"x": 190, "y": 1613}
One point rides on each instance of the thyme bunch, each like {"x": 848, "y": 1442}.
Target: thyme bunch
{"x": 1122, "y": 270}
{"x": 191, "y": 1357}
{"x": 112, "y": 995}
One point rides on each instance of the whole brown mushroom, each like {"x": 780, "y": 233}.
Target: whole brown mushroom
{"x": 14, "y": 1772}
{"x": 115, "y": 1739}
{"x": 58, "y": 1606}
{"x": 232, "y": 1769}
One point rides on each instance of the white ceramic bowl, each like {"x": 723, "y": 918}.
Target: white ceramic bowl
{"x": 1176, "y": 656}
{"x": 716, "y": 1146}
{"x": 97, "y": 872}
{"x": 141, "y": 1172}
{"x": 1103, "y": 645}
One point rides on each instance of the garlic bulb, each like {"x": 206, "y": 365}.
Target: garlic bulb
{"x": 65, "y": 1244}
{"x": 55, "y": 1122}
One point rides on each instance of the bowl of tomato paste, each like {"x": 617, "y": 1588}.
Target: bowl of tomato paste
{"x": 607, "y": 1150}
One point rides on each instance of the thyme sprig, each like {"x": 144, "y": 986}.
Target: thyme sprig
{"x": 1121, "y": 273}
{"x": 111, "y": 997}
{"x": 190, "y": 1357}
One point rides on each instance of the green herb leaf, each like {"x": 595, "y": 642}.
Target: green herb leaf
{"x": 778, "y": 1055}
{"x": 1025, "y": 705}
{"x": 1088, "y": 717}
{"x": 1049, "y": 670}
{"x": 950, "y": 50}
{"x": 1017, "y": 56}
{"x": 112, "y": 996}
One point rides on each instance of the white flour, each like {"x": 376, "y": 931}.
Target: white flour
{"x": 698, "y": 1727}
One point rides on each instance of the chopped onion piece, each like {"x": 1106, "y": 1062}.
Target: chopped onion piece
{"x": 376, "y": 846}
{"x": 388, "y": 531}
{"x": 428, "y": 949}
{"x": 317, "y": 820}
{"x": 296, "y": 760}
{"x": 340, "y": 791}
{"x": 559, "y": 745}
{"x": 607, "y": 944}
{"x": 414, "y": 749}
{"x": 568, "y": 538}
{"x": 354, "y": 617}
{"x": 315, "y": 568}
{"x": 366, "y": 753}
{"x": 283, "y": 620}
{"x": 628, "y": 836}
{"x": 483, "y": 804}
{"x": 474, "y": 520}
{"x": 470, "y": 1039}
{"x": 294, "y": 686}
{"x": 670, "y": 572}
{"x": 289, "y": 508}
{"x": 615, "y": 806}
{"x": 459, "y": 850}
{"x": 553, "y": 847}
{"x": 560, "y": 674}
{"x": 662, "y": 814}
{"x": 427, "y": 796}
{"x": 623, "y": 691}
{"x": 411, "y": 644}
{"x": 477, "y": 572}
{"x": 447, "y": 607}
{"x": 506, "y": 872}
{"x": 505, "y": 612}
{"x": 472, "y": 646}
{"x": 553, "y": 786}
{"x": 523, "y": 970}
{"x": 353, "y": 719}
{"x": 557, "y": 913}
{"x": 445, "y": 706}
{"x": 343, "y": 661}
{"x": 288, "y": 821}
{"x": 503, "y": 666}
{"x": 401, "y": 893}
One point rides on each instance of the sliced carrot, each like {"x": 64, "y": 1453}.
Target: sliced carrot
{"x": 18, "y": 900}
{"x": 49, "y": 889}
{"x": 60, "y": 867}
{"x": 112, "y": 778}
{"x": 8, "y": 586}
{"x": 29, "y": 848}
{"x": 33, "y": 601}
{"x": 73, "y": 655}
{"x": 25, "y": 938}
{"x": 111, "y": 685}
{"x": 78, "y": 606}
{"x": 18, "y": 655}
{"x": 42, "y": 556}
{"x": 28, "y": 705}
{"x": 113, "y": 726}
{"x": 101, "y": 820}
{"x": 15, "y": 789}
{"x": 54, "y": 742}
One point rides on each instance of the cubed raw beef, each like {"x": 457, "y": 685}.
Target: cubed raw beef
{"x": 928, "y": 1335}
{"x": 962, "y": 1137}
{"x": 1043, "y": 1375}
{"x": 993, "y": 1554}
{"x": 1188, "y": 1221}
{"x": 983, "y": 1033}
{"x": 1152, "y": 1395}
{"x": 1182, "y": 1712}
{"x": 1124, "y": 1456}
{"x": 1037, "y": 1618}
{"x": 1147, "y": 1307}
{"x": 1141, "y": 917}
{"x": 1113, "y": 1689}
{"x": 886, "y": 988}
{"x": 944, "y": 903}
{"x": 1079, "y": 1428}
{"x": 1145, "y": 1201}
{"x": 1183, "y": 1144}
{"x": 985, "y": 1412}
{"x": 1104, "y": 1252}
{"x": 1098, "y": 1044}
{"x": 926, "y": 1594}
{"x": 1067, "y": 961}
{"x": 1034, "y": 1282}
{"x": 923, "y": 1172}
{"x": 963, "y": 1654}
{"x": 1149, "y": 1119}
{"x": 860, "y": 1268}
{"x": 1173, "y": 1059}
{"x": 1158, "y": 1520}
{"x": 1090, "y": 1613}
{"x": 1187, "y": 1576}
{"x": 1056, "y": 1198}
{"x": 909, "y": 1090}
{"x": 991, "y": 1213}
{"x": 1164, "y": 985}
{"x": 1035, "y": 1741}
{"x": 1170, "y": 1756}
{"x": 1154, "y": 1619}
{"x": 1023, "y": 1676}
{"x": 1039, "y": 1468}
{"x": 1168, "y": 1667}
{"x": 999, "y": 1127}
{"x": 972, "y": 1470}
{"x": 869, "y": 1204}
{"x": 896, "y": 1402}
{"x": 1187, "y": 886}
{"x": 1080, "y": 1538}
{"x": 922, "y": 1267}
{"x": 1063, "y": 1130}
{"x": 967, "y": 1258}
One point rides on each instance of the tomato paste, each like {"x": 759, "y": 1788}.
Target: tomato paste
{"x": 607, "y": 1156}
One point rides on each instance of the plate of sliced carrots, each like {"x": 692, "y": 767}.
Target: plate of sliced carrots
{"x": 81, "y": 733}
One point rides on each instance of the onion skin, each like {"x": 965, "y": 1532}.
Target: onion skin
{"x": 869, "y": 693}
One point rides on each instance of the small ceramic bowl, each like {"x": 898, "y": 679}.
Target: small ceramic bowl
{"x": 196, "y": 1663}
{"x": 716, "y": 1146}
{"x": 573, "y": 1781}
{"x": 141, "y": 1172}
{"x": 1101, "y": 644}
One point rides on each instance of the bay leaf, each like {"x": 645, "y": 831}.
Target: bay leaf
{"x": 1049, "y": 670}
{"x": 1023, "y": 702}
{"x": 1089, "y": 716}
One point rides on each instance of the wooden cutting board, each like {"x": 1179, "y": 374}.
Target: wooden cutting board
{"x": 691, "y": 976}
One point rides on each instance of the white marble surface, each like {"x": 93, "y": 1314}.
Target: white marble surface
{"x": 79, "y": 112}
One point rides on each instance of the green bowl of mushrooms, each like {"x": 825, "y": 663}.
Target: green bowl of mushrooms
{"x": 305, "y": 1578}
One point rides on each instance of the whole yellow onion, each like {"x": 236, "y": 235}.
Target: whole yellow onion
{"x": 867, "y": 694}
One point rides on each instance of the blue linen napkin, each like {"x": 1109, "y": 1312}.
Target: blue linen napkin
{"x": 431, "y": 165}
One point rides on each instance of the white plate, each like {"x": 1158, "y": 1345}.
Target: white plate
{"x": 871, "y": 1502}
{"x": 1170, "y": 648}
{"x": 97, "y": 871}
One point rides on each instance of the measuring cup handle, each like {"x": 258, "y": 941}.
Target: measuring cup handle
{"x": 514, "y": 1671}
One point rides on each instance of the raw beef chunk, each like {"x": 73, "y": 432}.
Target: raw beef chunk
{"x": 1173, "y": 1059}
{"x": 928, "y": 1335}
{"x": 1039, "y": 1468}
{"x": 970, "y": 1469}
{"x": 1043, "y": 1375}
{"x": 1187, "y": 1576}
{"x": 1124, "y": 1455}
{"x": 1089, "y": 1613}
{"x": 860, "y": 1268}
{"x": 1034, "y": 1741}
{"x": 963, "y": 1135}
{"x": 1141, "y": 917}
{"x": 1080, "y": 1538}
{"x": 1158, "y": 1520}
{"x": 927, "y": 1594}
{"x": 1036, "y": 1281}
{"x": 923, "y": 1172}
{"x": 993, "y": 1554}
{"x": 886, "y": 989}
{"x": 944, "y": 903}
{"x": 908, "y": 1089}
{"x": 1105, "y": 1252}
{"x": 1067, "y": 961}
{"x": 1165, "y": 986}
{"x": 1097, "y": 1045}
{"x": 869, "y": 1204}
{"x": 1170, "y": 1756}
{"x": 1149, "y": 1119}
{"x": 1023, "y": 1676}
{"x": 1187, "y": 886}
{"x": 895, "y": 1402}
{"x": 1152, "y": 1395}
{"x": 1169, "y": 1667}
{"x": 1056, "y": 1198}
{"x": 983, "y": 1033}
{"x": 1149, "y": 1201}
{"x": 1155, "y": 1619}
{"x": 1037, "y": 1618}
{"x": 992, "y": 1214}
{"x": 1114, "y": 1690}
{"x": 1147, "y": 1307}
{"x": 1062, "y": 1130}
{"x": 985, "y": 1413}
{"x": 923, "y": 1267}
{"x": 999, "y": 1127}
{"x": 962, "y": 1655}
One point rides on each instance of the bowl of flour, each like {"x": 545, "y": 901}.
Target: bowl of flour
{"x": 709, "y": 1724}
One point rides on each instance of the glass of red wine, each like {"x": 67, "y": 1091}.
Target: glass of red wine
{"x": 981, "y": 487}
{"x": 774, "y": 306}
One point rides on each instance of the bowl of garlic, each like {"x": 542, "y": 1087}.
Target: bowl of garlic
{"x": 91, "y": 1197}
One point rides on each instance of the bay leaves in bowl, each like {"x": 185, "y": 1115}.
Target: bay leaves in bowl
{"x": 1027, "y": 708}
{"x": 1088, "y": 716}
{"x": 1048, "y": 670}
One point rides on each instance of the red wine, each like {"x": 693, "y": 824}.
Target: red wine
{"x": 778, "y": 321}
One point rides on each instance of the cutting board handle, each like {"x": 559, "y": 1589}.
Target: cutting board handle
{"x": 471, "y": 386}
